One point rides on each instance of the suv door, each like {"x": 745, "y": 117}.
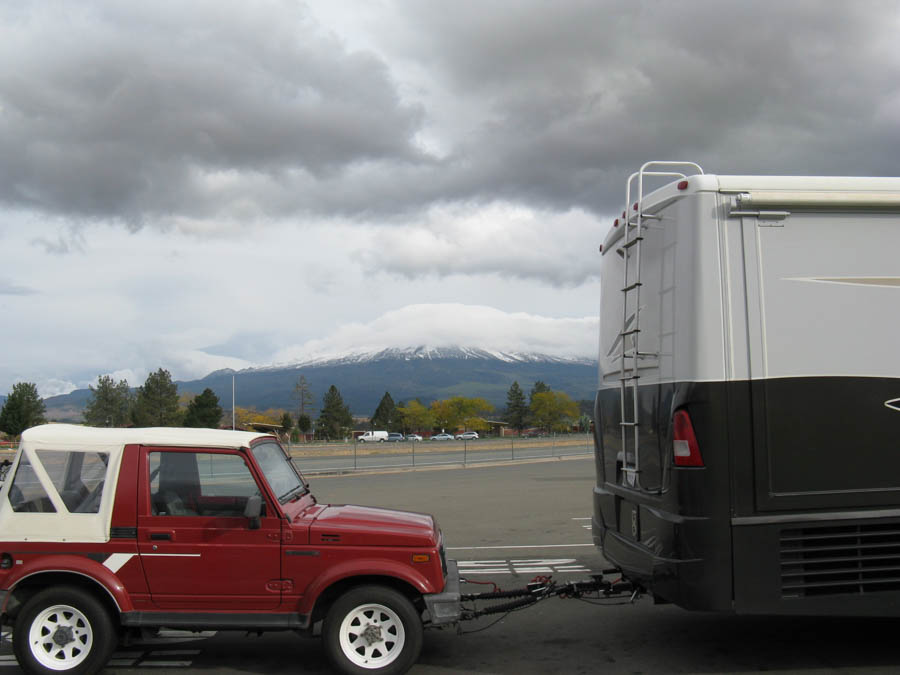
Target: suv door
{"x": 197, "y": 547}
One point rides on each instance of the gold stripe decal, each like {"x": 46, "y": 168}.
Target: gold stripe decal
{"x": 884, "y": 282}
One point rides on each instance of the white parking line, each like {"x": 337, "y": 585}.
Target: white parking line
{"x": 526, "y": 566}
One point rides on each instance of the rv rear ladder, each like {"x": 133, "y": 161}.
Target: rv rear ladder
{"x": 630, "y": 250}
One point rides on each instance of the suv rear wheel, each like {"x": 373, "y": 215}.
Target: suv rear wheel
{"x": 373, "y": 629}
{"x": 63, "y": 630}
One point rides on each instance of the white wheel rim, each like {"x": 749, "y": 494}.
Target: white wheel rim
{"x": 60, "y": 637}
{"x": 372, "y": 636}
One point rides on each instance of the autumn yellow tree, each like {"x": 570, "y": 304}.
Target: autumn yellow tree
{"x": 461, "y": 411}
{"x": 553, "y": 410}
{"x": 244, "y": 417}
{"x": 415, "y": 417}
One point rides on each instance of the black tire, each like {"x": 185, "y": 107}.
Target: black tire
{"x": 372, "y": 629}
{"x": 63, "y": 630}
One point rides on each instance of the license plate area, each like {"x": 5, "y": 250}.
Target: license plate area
{"x": 630, "y": 520}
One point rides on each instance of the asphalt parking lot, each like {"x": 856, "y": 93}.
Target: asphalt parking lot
{"x": 507, "y": 524}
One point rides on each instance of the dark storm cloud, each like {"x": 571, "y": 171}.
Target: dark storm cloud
{"x": 248, "y": 111}
{"x": 581, "y": 93}
{"x": 116, "y": 111}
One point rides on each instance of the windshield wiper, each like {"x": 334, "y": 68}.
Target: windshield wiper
{"x": 293, "y": 492}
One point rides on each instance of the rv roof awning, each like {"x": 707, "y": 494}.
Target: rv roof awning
{"x": 819, "y": 198}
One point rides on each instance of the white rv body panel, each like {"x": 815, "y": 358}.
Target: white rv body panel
{"x": 826, "y": 287}
{"x": 682, "y": 313}
{"x": 798, "y": 292}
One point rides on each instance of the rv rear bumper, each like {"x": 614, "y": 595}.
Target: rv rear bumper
{"x": 669, "y": 579}
{"x": 676, "y": 558}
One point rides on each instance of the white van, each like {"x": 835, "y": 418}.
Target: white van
{"x": 373, "y": 437}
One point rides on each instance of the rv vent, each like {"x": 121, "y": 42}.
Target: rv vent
{"x": 836, "y": 560}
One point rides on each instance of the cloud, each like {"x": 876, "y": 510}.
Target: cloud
{"x": 55, "y": 387}
{"x": 7, "y": 287}
{"x": 499, "y": 239}
{"x": 213, "y": 117}
{"x": 139, "y": 112}
{"x": 454, "y": 325}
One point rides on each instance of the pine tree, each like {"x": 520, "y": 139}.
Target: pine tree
{"x": 156, "y": 404}
{"x": 304, "y": 424}
{"x": 23, "y": 409}
{"x": 110, "y": 403}
{"x": 538, "y": 388}
{"x": 516, "y": 408}
{"x": 335, "y": 419}
{"x": 286, "y": 423}
{"x": 385, "y": 416}
{"x": 303, "y": 395}
{"x": 204, "y": 411}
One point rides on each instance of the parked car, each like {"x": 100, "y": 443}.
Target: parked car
{"x": 373, "y": 437}
{"x": 467, "y": 436}
{"x": 442, "y": 437}
{"x": 394, "y": 437}
{"x": 413, "y": 437}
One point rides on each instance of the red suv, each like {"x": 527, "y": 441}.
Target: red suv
{"x": 104, "y": 531}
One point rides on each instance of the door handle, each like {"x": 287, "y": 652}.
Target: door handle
{"x": 162, "y": 536}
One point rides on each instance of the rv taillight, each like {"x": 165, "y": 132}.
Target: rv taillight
{"x": 616, "y": 222}
{"x": 686, "y": 449}
{"x": 682, "y": 185}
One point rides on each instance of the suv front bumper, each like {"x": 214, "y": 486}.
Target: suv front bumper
{"x": 444, "y": 608}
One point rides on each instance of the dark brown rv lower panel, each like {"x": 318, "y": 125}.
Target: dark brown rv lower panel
{"x": 846, "y": 566}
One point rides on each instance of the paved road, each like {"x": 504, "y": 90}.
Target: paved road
{"x": 506, "y": 524}
{"x": 426, "y": 454}
{"x": 356, "y": 456}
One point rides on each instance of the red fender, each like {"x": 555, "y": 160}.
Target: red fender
{"x": 360, "y": 568}
{"x": 72, "y": 564}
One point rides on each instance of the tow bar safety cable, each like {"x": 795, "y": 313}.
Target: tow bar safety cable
{"x": 598, "y": 590}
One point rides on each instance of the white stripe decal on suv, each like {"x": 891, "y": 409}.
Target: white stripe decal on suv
{"x": 117, "y": 561}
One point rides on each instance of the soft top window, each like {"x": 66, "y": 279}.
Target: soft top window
{"x": 26, "y": 494}
{"x": 77, "y": 476}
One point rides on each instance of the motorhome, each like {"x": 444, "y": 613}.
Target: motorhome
{"x": 748, "y": 410}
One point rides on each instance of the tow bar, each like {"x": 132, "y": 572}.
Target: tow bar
{"x": 597, "y": 588}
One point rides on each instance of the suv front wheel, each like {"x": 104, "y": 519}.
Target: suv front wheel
{"x": 373, "y": 629}
{"x": 63, "y": 630}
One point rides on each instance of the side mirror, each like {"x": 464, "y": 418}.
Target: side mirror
{"x": 253, "y": 510}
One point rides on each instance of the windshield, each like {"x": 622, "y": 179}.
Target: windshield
{"x": 281, "y": 475}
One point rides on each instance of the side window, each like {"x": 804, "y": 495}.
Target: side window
{"x": 78, "y": 477}
{"x": 199, "y": 484}
{"x": 26, "y": 494}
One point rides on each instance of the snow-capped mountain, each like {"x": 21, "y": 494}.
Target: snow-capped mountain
{"x": 425, "y": 353}
{"x": 426, "y": 373}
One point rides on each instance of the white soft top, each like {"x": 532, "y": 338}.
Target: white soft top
{"x": 62, "y": 525}
{"x": 70, "y": 436}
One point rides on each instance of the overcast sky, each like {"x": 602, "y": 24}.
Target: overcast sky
{"x": 226, "y": 184}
